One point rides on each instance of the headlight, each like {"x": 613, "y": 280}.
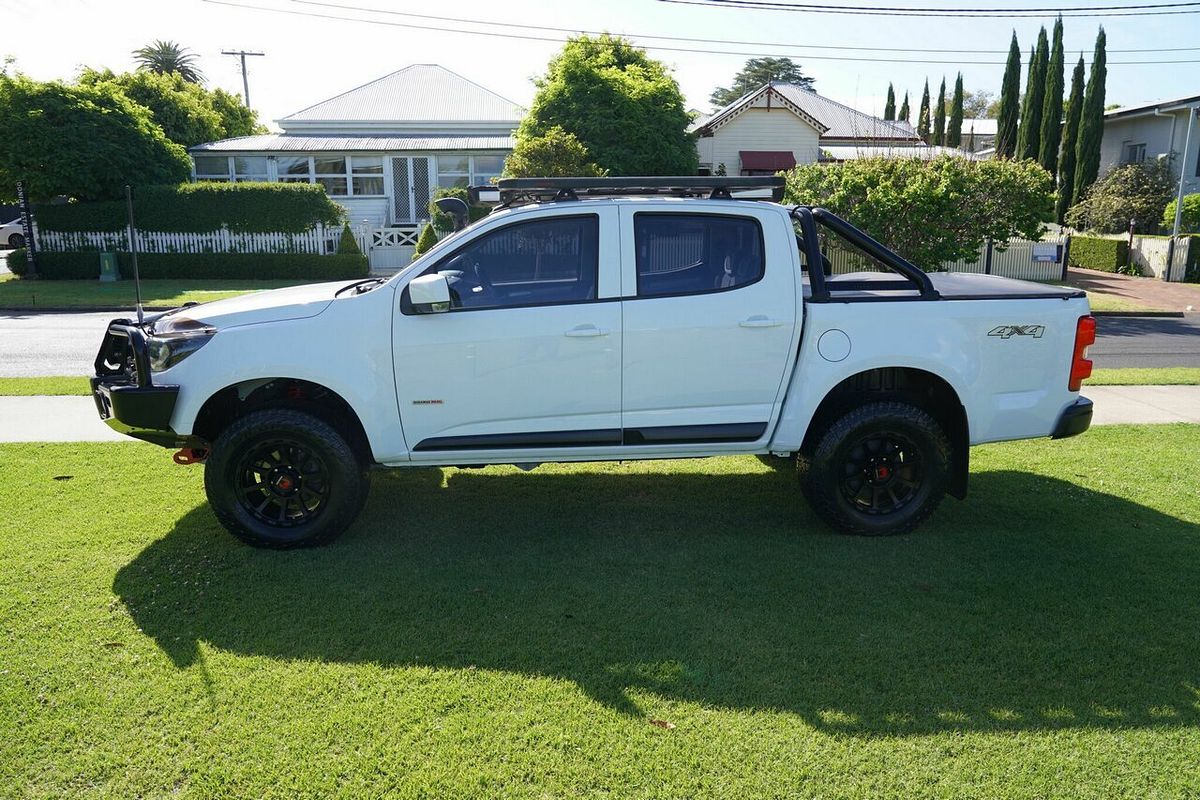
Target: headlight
{"x": 174, "y": 339}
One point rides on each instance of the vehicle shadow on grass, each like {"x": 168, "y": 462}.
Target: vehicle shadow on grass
{"x": 1035, "y": 604}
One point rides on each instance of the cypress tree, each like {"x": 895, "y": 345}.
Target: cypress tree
{"x": 954, "y": 132}
{"x": 1052, "y": 105}
{"x": 1070, "y": 135}
{"x": 923, "y": 115}
{"x": 1091, "y": 123}
{"x": 905, "y": 113}
{"x": 889, "y": 108}
{"x": 939, "y": 116}
{"x": 1030, "y": 132}
{"x": 1010, "y": 101}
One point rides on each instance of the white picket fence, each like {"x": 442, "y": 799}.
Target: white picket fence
{"x": 320, "y": 240}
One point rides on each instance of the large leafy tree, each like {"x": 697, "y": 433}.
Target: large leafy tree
{"x": 1010, "y": 102}
{"x": 923, "y": 115}
{"x": 979, "y": 104}
{"x": 905, "y": 113}
{"x": 757, "y": 72}
{"x": 1091, "y": 124}
{"x": 889, "y": 107}
{"x": 621, "y": 105}
{"x": 1029, "y": 133}
{"x": 188, "y": 113}
{"x": 1070, "y": 135}
{"x": 166, "y": 57}
{"x": 954, "y": 127}
{"x": 1052, "y": 105}
{"x": 85, "y": 142}
{"x": 930, "y": 211}
{"x": 939, "y": 116}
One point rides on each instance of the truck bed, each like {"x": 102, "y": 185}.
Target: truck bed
{"x": 951, "y": 286}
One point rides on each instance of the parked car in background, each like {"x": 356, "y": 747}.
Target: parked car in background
{"x": 12, "y": 234}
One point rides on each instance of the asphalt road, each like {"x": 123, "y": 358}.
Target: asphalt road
{"x": 66, "y": 344}
{"x": 1147, "y": 342}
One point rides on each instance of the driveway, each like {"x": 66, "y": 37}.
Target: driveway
{"x": 33, "y": 345}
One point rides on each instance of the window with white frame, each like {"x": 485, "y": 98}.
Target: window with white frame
{"x": 293, "y": 169}
{"x": 249, "y": 168}
{"x": 212, "y": 168}
{"x": 457, "y": 170}
{"x": 330, "y": 172}
{"x": 366, "y": 175}
{"x": 1133, "y": 152}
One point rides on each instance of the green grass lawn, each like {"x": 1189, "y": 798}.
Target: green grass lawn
{"x": 1143, "y": 376}
{"x": 54, "y": 385}
{"x": 490, "y": 633}
{"x": 15, "y": 293}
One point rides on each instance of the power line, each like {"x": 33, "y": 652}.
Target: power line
{"x": 558, "y": 40}
{"x": 497, "y": 23}
{"x": 764, "y": 5}
{"x": 822, "y": 6}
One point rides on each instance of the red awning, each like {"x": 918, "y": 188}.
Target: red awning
{"x": 767, "y": 159}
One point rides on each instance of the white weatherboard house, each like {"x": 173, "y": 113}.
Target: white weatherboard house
{"x": 1134, "y": 134}
{"x": 780, "y": 125}
{"x": 380, "y": 150}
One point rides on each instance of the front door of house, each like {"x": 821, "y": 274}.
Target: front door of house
{"x": 410, "y": 189}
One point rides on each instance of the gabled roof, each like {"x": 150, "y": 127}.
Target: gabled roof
{"x": 831, "y": 118}
{"x": 291, "y": 143}
{"x": 417, "y": 93}
{"x": 1146, "y": 108}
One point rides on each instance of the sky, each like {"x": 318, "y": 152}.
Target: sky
{"x": 311, "y": 58}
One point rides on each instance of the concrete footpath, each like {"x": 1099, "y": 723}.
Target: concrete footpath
{"x": 74, "y": 419}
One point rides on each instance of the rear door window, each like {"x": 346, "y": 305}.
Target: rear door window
{"x": 681, "y": 254}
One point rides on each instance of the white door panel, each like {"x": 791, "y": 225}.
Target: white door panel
{"x": 710, "y": 358}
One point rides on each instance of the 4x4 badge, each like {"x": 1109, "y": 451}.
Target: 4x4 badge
{"x": 1008, "y": 331}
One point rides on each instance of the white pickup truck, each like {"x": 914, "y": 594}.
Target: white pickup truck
{"x": 607, "y": 319}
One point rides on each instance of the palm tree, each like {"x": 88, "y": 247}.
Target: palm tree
{"x": 166, "y": 57}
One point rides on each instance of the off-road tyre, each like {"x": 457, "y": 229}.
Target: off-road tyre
{"x": 310, "y": 485}
{"x": 878, "y": 470}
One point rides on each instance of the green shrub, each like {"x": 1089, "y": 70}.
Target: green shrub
{"x": 1107, "y": 255}
{"x": 203, "y": 207}
{"x": 348, "y": 245}
{"x": 425, "y": 241}
{"x": 207, "y": 266}
{"x": 16, "y": 262}
{"x": 1137, "y": 192}
{"x": 1190, "y": 221}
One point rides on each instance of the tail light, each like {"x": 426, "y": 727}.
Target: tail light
{"x": 1081, "y": 365}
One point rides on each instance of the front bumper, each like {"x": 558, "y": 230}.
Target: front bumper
{"x": 1074, "y": 420}
{"x": 125, "y": 397}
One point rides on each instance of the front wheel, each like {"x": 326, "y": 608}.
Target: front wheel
{"x": 880, "y": 469}
{"x": 16, "y": 240}
{"x": 281, "y": 478}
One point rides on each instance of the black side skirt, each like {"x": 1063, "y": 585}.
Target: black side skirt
{"x": 605, "y": 437}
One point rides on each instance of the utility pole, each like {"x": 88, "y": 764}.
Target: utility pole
{"x": 245, "y": 77}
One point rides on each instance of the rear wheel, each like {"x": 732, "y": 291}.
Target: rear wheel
{"x": 880, "y": 469}
{"x": 16, "y": 240}
{"x": 281, "y": 478}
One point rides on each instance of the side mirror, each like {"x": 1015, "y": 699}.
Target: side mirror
{"x": 430, "y": 294}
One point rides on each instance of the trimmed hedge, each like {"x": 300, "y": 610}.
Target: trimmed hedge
{"x": 1107, "y": 255}
{"x": 203, "y": 207}
{"x": 202, "y": 266}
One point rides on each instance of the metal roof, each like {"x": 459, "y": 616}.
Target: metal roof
{"x": 283, "y": 142}
{"x": 417, "y": 93}
{"x": 1149, "y": 107}
{"x": 840, "y": 121}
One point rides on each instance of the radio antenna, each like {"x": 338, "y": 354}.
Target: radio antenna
{"x": 137, "y": 281}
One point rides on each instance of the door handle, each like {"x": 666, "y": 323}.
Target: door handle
{"x": 760, "y": 321}
{"x": 582, "y": 331}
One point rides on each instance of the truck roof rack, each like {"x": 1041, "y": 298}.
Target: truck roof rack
{"x": 516, "y": 191}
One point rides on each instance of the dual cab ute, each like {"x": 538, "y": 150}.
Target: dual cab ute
{"x": 606, "y": 319}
